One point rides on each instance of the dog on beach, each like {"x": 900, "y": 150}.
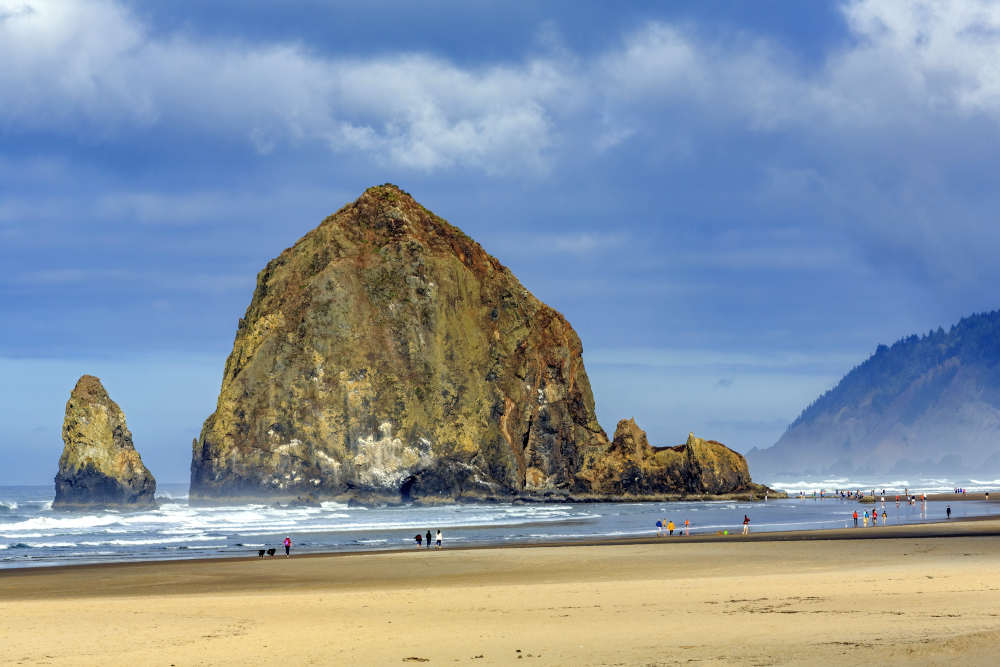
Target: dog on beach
{"x": 270, "y": 552}
{"x": 260, "y": 553}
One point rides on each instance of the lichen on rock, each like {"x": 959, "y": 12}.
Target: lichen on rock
{"x": 99, "y": 466}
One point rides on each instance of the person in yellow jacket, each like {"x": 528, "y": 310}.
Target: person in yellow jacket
{"x": 670, "y": 527}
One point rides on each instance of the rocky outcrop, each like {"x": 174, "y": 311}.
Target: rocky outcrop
{"x": 99, "y": 466}
{"x": 633, "y": 467}
{"x": 387, "y": 356}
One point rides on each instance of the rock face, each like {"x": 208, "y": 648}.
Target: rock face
{"x": 99, "y": 466}
{"x": 633, "y": 467}
{"x": 387, "y": 356}
{"x": 925, "y": 405}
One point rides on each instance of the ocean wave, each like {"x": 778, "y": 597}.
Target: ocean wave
{"x": 8, "y": 505}
{"x": 186, "y": 547}
{"x": 148, "y": 541}
{"x": 62, "y": 523}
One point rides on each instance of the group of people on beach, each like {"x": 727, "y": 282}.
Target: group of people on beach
{"x": 419, "y": 539}
{"x": 873, "y": 518}
{"x": 667, "y": 527}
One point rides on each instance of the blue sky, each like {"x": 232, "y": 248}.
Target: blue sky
{"x": 733, "y": 203}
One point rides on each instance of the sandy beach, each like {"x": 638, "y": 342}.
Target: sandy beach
{"x": 923, "y": 594}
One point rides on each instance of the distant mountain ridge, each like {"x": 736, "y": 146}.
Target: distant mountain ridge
{"x": 927, "y": 404}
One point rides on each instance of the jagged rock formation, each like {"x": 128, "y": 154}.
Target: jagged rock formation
{"x": 99, "y": 466}
{"x": 387, "y": 356}
{"x": 632, "y": 467}
{"x": 926, "y": 405}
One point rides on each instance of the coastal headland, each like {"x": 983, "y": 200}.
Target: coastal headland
{"x": 809, "y": 597}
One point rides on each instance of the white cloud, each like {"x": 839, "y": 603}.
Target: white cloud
{"x": 864, "y": 126}
{"x": 90, "y": 65}
{"x": 82, "y": 65}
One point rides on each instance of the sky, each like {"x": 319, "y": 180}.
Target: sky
{"x": 732, "y": 203}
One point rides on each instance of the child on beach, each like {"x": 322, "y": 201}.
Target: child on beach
{"x": 866, "y": 518}
{"x": 419, "y": 538}
{"x": 439, "y": 539}
{"x": 746, "y": 524}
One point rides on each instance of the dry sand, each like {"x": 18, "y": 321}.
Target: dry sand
{"x": 909, "y": 598}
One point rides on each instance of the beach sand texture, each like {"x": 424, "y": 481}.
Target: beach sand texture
{"x": 911, "y": 599}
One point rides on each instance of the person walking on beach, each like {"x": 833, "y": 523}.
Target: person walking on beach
{"x": 866, "y": 518}
{"x": 428, "y": 536}
{"x": 288, "y": 546}
{"x": 855, "y": 518}
{"x": 670, "y": 527}
{"x": 419, "y": 538}
{"x": 687, "y": 525}
{"x": 439, "y": 538}
{"x": 948, "y": 511}
{"x": 659, "y": 528}
{"x": 746, "y": 524}
{"x": 884, "y": 517}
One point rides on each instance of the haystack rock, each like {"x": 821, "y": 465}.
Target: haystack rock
{"x": 633, "y": 467}
{"x": 99, "y": 466}
{"x": 385, "y": 357}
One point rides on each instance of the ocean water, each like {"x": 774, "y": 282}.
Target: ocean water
{"x": 32, "y": 534}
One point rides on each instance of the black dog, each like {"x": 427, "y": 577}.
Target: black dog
{"x": 270, "y": 552}
{"x": 260, "y": 553}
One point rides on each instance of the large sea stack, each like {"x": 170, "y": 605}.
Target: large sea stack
{"x": 99, "y": 466}
{"x": 387, "y": 356}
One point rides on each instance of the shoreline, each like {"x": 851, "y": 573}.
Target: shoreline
{"x": 987, "y": 525}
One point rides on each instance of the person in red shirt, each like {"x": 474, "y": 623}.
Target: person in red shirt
{"x": 855, "y": 518}
{"x": 288, "y": 546}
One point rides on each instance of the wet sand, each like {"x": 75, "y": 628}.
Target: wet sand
{"x": 925, "y": 594}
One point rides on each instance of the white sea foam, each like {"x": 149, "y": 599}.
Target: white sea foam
{"x": 203, "y": 546}
{"x": 149, "y": 541}
{"x": 62, "y": 523}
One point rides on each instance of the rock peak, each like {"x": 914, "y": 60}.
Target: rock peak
{"x": 90, "y": 387}
{"x": 387, "y": 355}
{"x": 99, "y": 466}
